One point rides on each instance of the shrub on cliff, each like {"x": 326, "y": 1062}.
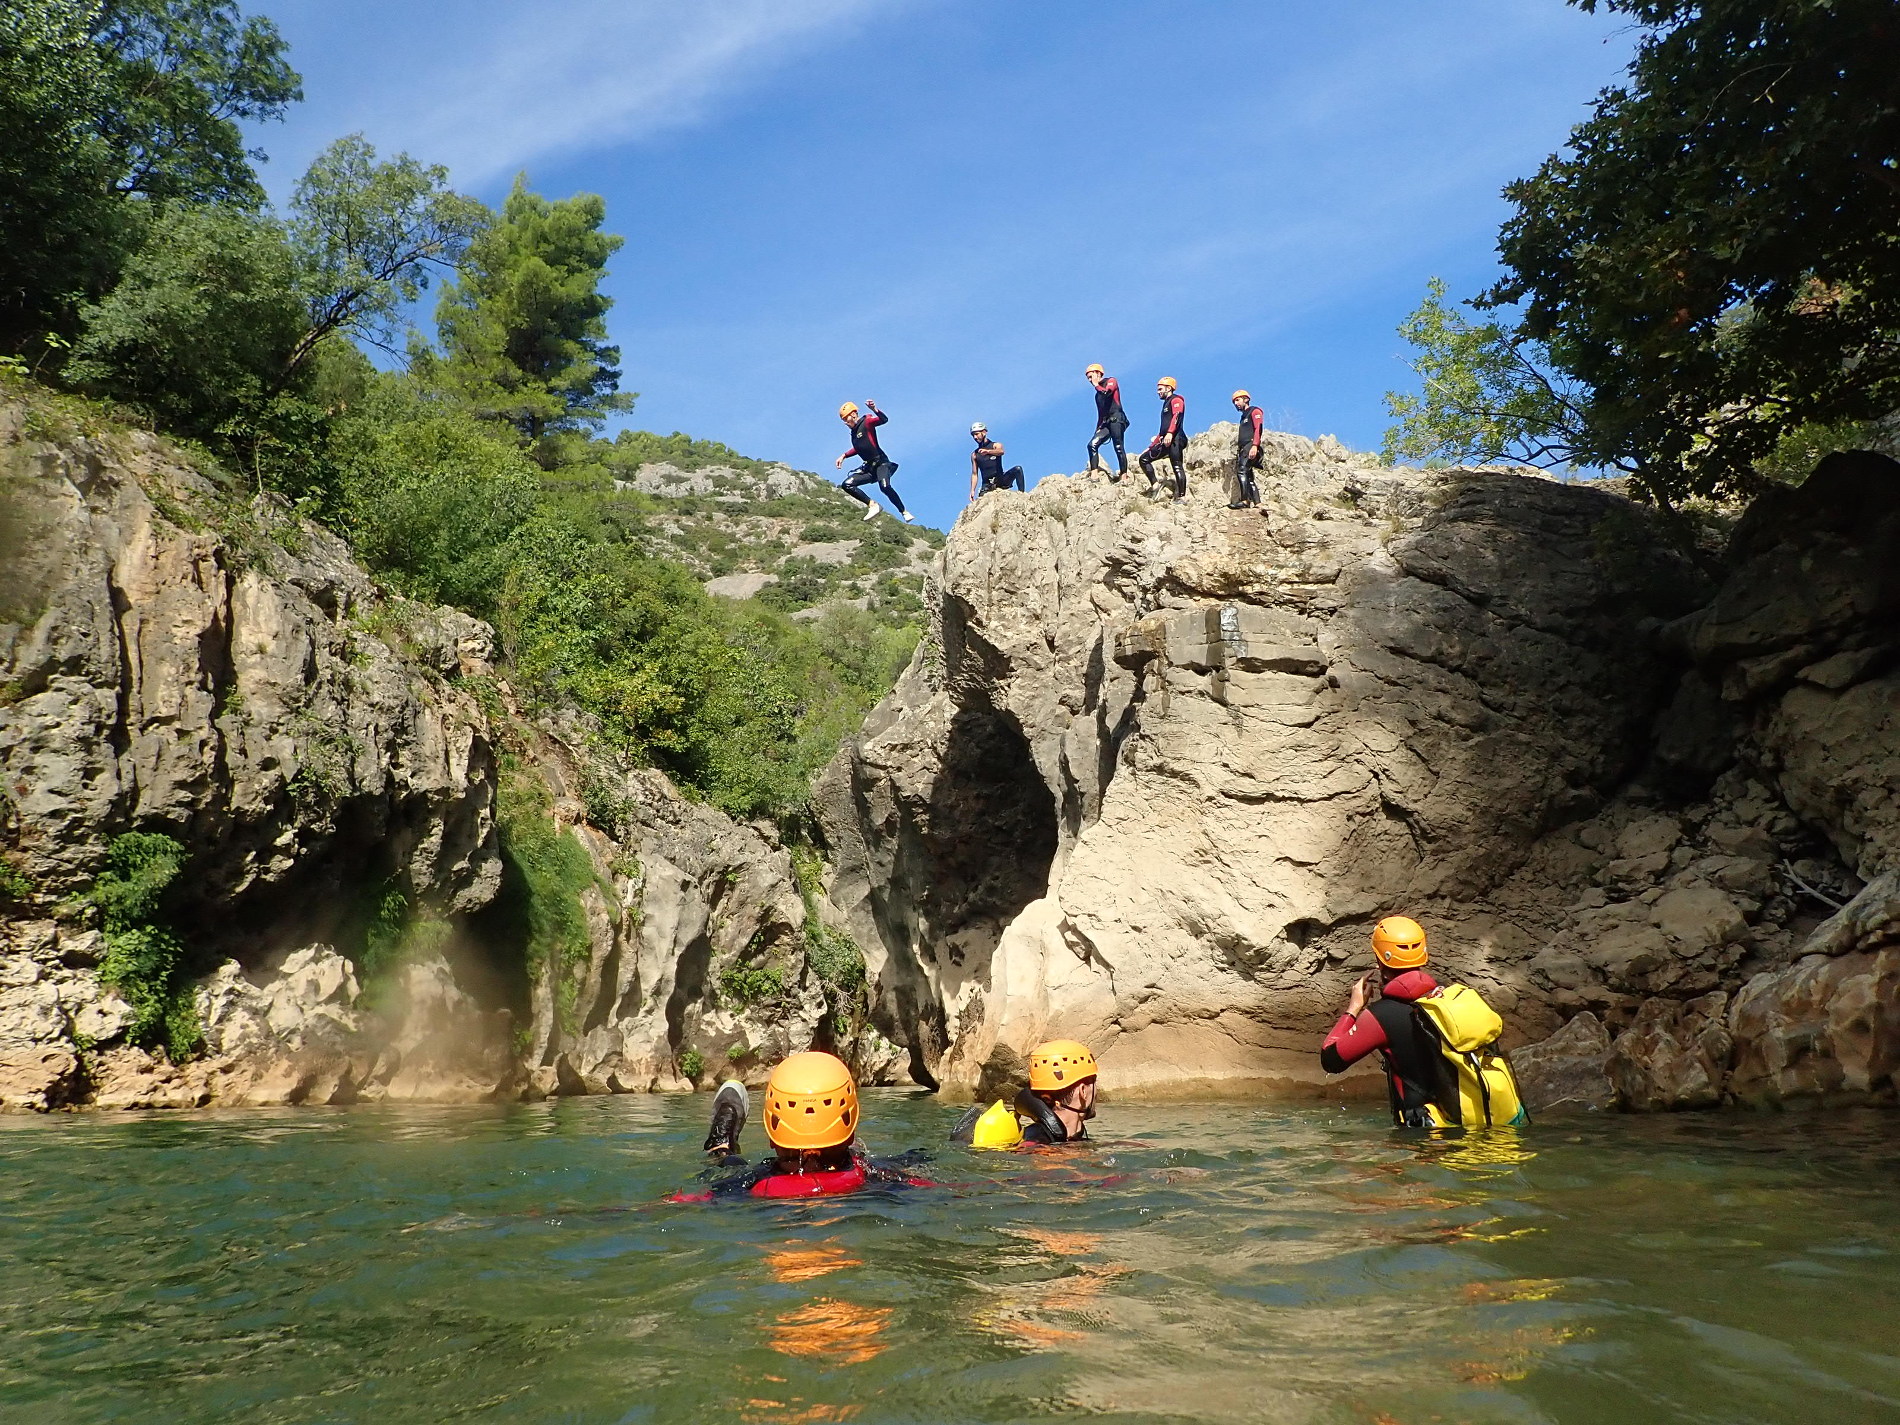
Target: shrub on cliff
{"x": 144, "y": 956}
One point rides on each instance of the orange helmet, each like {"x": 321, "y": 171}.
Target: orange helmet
{"x": 848, "y": 409}
{"x": 1094, "y": 368}
{"x": 1399, "y": 943}
{"x": 1241, "y": 396}
{"x": 1059, "y": 1063}
{"x": 810, "y": 1102}
{"x": 1167, "y": 381}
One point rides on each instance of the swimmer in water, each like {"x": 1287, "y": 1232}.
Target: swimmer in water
{"x": 1055, "y": 1108}
{"x": 811, "y": 1120}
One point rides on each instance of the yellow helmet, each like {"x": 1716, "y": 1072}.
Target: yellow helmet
{"x": 997, "y": 1128}
{"x": 810, "y": 1102}
{"x": 1094, "y": 368}
{"x": 1056, "y": 1065}
{"x": 1167, "y": 381}
{"x": 1241, "y": 396}
{"x": 848, "y": 409}
{"x": 1399, "y": 942}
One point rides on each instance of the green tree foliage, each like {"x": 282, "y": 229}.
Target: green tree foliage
{"x": 523, "y": 329}
{"x": 1713, "y": 257}
{"x": 432, "y": 497}
{"x": 108, "y": 110}
{"x": 547, "y": 871}
{"x": 143, "y": 959}
{"x": 366, "y": 235}
{"x": 1487, "y": 393}
{"x": 198, "y": 329}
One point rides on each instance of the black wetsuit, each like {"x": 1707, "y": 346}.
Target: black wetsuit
{"x": 1416, "y": 1073}
{"x": 1170, "y": 441}
{"x": 1111, "y": 423}
{"x": 734, "y": 1177}
{"x": 990, "y": 472}
{"x": 1253, "y": 425}
{"x": 877, "y": 468}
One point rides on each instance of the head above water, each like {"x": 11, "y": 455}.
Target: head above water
{"x": 1398, "y": 943}
{"x": 810, "y": 1104}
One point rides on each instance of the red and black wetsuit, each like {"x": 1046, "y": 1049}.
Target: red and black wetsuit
{"x": 1171, "y": 441}
{"x": 1415, "y": 1069}
{"x": 1253, "y": 427}
{"x": 1111, "y": 422}
{"x": 877, "y": 468}
{"x": 771, "y": 1179}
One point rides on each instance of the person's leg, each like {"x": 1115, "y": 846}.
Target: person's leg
{"x": 1146, "y": 460}
{"x": 1013, "y": 476}
{"x": 1252, "y": 486}
{"x": 1121, "y": 456}
{"x": 884, "y": 473}
{"x": 1242, "y": 484}
{"x": 728, "y": 1118}
{"x": 1096, "y": 442}
{"x": 1175, "y": 454}
{"x": 851, "y": 482}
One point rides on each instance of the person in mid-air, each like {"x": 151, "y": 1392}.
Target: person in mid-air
{"x": 1248, "y": 452}
{"x": 1055, "y": 1108}
{"x": 811, "y": 1121}
{"x": 1439, "y": 1043}
{"x": 876, "y": 467}
{"x": 986, "y": 464}
{"x": 1111, "y": 421}
{"x": 1171, "y": 441}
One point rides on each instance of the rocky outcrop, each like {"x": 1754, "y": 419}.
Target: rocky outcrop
{"x": 705, "y": 957}
{"x": 178, "y": 658}
{"x": 175, "y": 657}
{"x": 1159, "y": 766}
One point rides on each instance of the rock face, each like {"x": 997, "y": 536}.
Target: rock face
{"x": 237, "y": 688}
{"x": 699, "y": 963}
{"x": 177, "y": 659}
{"x": 1159, "y": 767}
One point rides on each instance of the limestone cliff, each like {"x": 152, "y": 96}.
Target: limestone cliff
{"x": 179, "y": 659}
{"x": 1159, "y": 767}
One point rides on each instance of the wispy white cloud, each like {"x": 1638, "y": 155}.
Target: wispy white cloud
{"x": 510, "y": 83}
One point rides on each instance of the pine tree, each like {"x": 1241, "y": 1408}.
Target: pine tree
{"x": 523, "y": 329}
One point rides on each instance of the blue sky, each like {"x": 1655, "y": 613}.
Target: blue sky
{"x": 954, "y": 205}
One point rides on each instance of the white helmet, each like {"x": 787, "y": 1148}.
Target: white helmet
{"x": 976, "y": 426}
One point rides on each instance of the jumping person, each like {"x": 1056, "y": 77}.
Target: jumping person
{"x": 1057, "y": 1104}
{"x": 811, "y": 1120}
{"x": 1111, "y": 421}
{"x": 1172, "y": 439}
{"x": 986, "y": 464}
{"x": 876, "y": 467}
{"x": 1248, "y": 451}
{"x": 1442, "y": 1066}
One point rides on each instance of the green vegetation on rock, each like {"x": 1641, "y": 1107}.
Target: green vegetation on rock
{"x": 547, "y": 870}
{"x": 144, "y": 956}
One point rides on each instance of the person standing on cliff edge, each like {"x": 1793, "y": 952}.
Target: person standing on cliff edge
{"x": 876, "y": 466}
{"x": 1111, "y": 421}
{"x": 1439, "y": 1044}
{"x": 1172, "y": 439}
{"x": 1248, "y": 452}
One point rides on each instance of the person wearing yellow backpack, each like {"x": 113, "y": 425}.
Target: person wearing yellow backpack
{"x": 1057, "y": 1104}
{"x": 1443, "y": 1068}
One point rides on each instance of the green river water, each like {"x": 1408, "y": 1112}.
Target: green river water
{"x": 1215, "y": 1262}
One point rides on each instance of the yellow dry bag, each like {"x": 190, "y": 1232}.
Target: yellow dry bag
{"x": 997, "y": 1128}
{"x": 1467, "y": 1030}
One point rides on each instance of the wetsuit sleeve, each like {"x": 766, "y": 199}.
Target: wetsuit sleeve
{"x": 1176, "y": 405}
{"x": 1351, "y": 1040}
{"x": 1257, "y": 419}
{"x": 874, "y": 419}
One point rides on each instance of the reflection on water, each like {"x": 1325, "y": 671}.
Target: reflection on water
{"x": 1211, "y": 1263}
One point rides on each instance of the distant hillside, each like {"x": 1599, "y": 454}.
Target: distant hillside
{"x": 752, "y": 528}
